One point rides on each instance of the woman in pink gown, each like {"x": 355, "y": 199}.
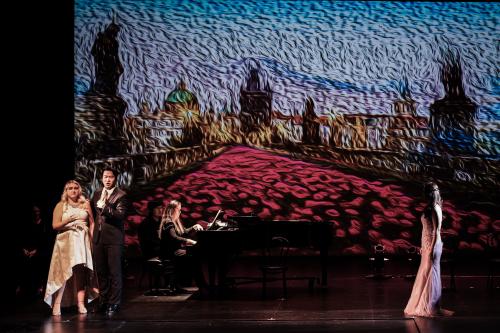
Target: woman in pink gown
{"x": 426, "y": 293}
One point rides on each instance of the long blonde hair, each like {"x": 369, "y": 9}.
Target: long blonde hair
{"x": 168, "y": 218}
{"x": 64, "y": 197}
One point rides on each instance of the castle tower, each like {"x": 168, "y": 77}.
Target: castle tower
{"x": 310, "y": 125}
{"x": 99, "y": 113}
{"x": 452, "y": 118}
{"x": 256, "y": 104}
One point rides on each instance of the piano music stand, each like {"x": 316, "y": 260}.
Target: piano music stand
{"x": 245, "y": 219}
{"x": 213, "y": 225}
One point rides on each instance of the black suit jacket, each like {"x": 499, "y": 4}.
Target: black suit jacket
{"x": 109, "y": 221}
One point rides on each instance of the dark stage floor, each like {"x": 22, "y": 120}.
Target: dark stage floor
{"x": 351, "y": 303}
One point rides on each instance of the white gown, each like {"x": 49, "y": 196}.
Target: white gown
{"x": 426, "y": 292}
{"x": 71, "y": 248}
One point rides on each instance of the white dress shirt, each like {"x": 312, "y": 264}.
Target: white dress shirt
{"x": 104, "y": 197}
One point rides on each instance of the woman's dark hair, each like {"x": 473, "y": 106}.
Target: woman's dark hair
{"x": 431, "y": 193}
{"x": 432, "y": 196}
{"x": 152, "y": 205}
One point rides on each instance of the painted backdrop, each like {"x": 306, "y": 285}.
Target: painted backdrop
{"x": 296, "y": 110}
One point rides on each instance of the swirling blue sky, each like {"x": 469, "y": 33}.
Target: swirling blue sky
{"x": 348, "y": 56}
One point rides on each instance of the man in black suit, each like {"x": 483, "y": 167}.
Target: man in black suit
{"x": 110, "y": 208}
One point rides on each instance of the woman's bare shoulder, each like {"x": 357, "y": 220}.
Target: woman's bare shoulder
{"x": 59, "y": 205}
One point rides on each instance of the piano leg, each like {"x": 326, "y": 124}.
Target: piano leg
{"x": 212, "y": 268}
{"x": 323, "y": 252}
{"x": 217, "y": 272}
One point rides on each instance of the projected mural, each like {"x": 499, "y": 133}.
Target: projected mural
{"x": 290, "y": 110}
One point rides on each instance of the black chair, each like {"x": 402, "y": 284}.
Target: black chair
{"x": 275, "y": 263}
{"x": 157, "y": 270}
{"x": 378, "y": 262}
{"x": 493, "y": 258}
{"x": 413, "y": 258}
{"x": 145, "y": 268}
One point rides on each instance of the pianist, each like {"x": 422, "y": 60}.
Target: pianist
{"x": 174, "y": 238}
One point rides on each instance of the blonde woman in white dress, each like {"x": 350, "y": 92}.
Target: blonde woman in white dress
{"x": 71, "y": 273}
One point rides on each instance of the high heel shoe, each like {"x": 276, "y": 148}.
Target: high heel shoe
{"x": 56, "y": 309}
{"x": 81, "y": 308}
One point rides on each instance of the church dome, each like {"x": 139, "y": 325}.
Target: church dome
{"x": 182, "y": 96}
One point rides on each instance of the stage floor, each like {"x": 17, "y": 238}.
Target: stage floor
{"x": 351, "y": 303}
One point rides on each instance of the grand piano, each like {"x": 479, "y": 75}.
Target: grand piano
{"x": 220, "y": 246}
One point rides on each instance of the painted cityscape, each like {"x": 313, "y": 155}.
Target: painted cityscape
{"x": 296, "y": 110}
